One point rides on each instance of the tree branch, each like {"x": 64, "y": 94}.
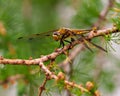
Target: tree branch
{"x": 104, "y": 13}
{"x": 52, "y": 56}
{"x": 59, "y": 51}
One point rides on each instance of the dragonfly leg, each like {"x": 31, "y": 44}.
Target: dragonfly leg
{"x": 61, "y": 43}
{"x": 72, "y": 39}
{"x": 63, "y": 40}
{"x": 67, "y": 41}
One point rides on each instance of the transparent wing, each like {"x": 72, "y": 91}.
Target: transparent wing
{"x": 38, "y": 35}
{"x": 37, "y": 44}
{"x": 89, "y": 43}
{"x": 81, "y": 31}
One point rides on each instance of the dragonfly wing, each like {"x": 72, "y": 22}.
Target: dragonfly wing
{"x": 88, "y": 47}
{"x": 97, "y": 46}
{"x": 37, "y": 35}
{"x": 81, "y": 31}
{"x": 37, "y": 44}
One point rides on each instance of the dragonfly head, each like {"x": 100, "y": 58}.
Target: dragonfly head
{"x": 56, "y": 36}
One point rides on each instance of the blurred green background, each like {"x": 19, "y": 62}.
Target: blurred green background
{"x": 25, "y": 17}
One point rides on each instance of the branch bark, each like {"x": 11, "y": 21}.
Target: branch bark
{"x": 52, "y": 56}
{"x": 59, "y": 51}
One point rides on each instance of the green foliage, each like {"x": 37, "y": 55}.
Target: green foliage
{"x": 87, "y": 13}
{"x": 82, "y": 67}
{"x": 106, "y": 77}
{"x": 116, "y": 15}
{"x": 26, "y": 17}
{"x": 76, "y": 91}
{"x": 116, "y": 21}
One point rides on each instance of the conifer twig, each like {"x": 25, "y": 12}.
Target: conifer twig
{"x": 52, "y": 56}
{"x": 59, "y": 51}
{"x": 104, "y": 12}
{"x": 42, "y": 87}
{"x": 53, "y": 76}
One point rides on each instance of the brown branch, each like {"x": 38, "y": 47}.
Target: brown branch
{"x": 104, "y": 13}
{"x": 72, "y": 84}
{"x": 53, "y": 76}
{"x": 58, "y": 51}
{"x": 39, "y": 61}
{"x": 42, "y": 87}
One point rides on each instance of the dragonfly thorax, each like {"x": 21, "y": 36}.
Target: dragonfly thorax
{"x": 58, "y": 35}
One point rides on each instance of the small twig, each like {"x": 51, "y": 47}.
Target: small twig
{"x": 104, "y": 13}
{"x": 42, "y": 87}
{"x": 59, "y": 51}
{"x": 52, "y": 56}
{"x": 47, "y": 71}
{"x": 53, "y": 76}
{"x": 72, "y": 84}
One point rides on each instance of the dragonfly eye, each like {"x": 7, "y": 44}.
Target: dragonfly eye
{"x": 56, "y": 36}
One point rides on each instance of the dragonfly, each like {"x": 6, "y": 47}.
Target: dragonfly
{"x": 62, "y": 34}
